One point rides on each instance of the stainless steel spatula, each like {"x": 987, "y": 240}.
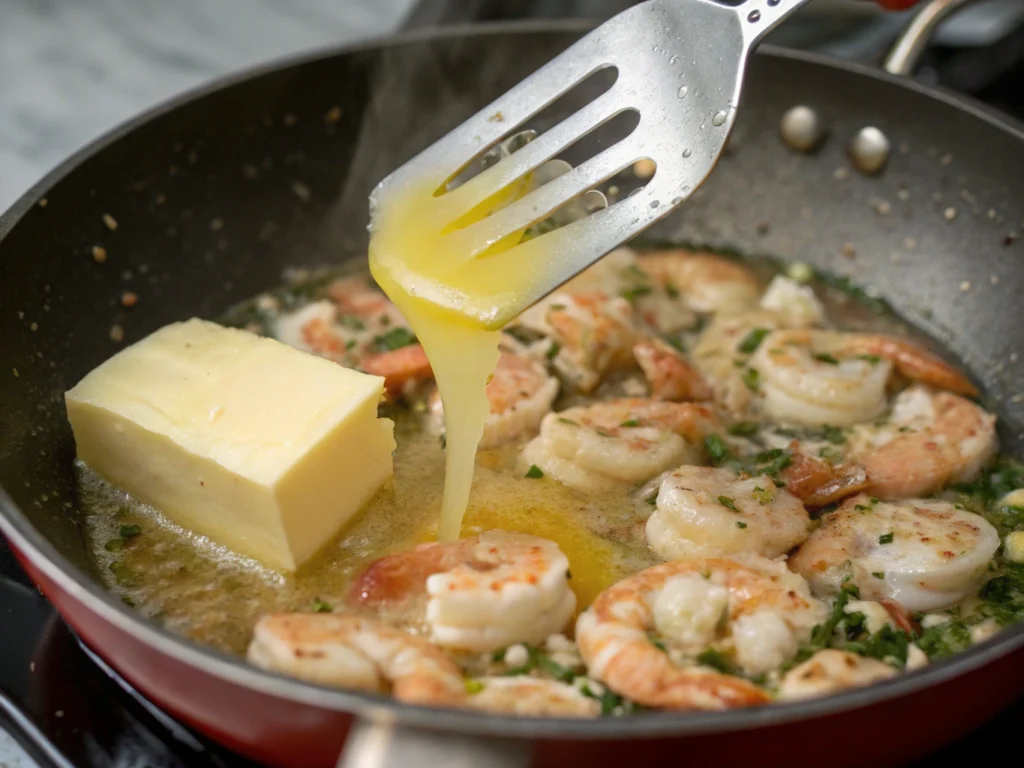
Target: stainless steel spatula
{"x": 680, "y": 65}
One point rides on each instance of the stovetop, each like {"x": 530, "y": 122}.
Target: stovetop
{"x": 68, "y": 710}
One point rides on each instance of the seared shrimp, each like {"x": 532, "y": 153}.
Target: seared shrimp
{"x": 617, "y": 442}
{"x": 482, "y": 593}
{"x": 722, "y": 354}
{"x": 831, "y": 671}
{"x": 751, "y": 609}
{"x": 704, "y": 282}
{"x": 520, "y": 394}
{"x": 358, "y": 327}
{"x": 931, "y": 440}
{"x": 841, "y": 378}
{"x": 668, "y": 373}
{"x": 703, "y": 512}
{"x": 591, "y": 335}
{"x": 923, "y": 553}
{"x": 355, "y": 652}
{"x": 531, "y": 696}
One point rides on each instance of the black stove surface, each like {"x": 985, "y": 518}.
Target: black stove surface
{"x": 67, "y": 709}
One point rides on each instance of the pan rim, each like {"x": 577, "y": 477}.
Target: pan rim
{"x": 44, "y": 556}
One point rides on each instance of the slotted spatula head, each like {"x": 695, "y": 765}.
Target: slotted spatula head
{"x": 679, "y": 64}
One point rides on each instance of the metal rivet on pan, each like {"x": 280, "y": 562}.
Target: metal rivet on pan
{"x": 801, "y": 128}
{"x": 869, "y": 150}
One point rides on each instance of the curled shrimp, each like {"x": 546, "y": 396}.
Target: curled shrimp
{"x": 702, "y": 511}
{"x": 355, "y": 652}
{"x": 931, "y": 439}
{"x": 668, "y": 373}
{"x": 841, "y": 378}
{"x": 702, "y": 281}
{"x": 358, "y": 327}
{"x": 520, "y": 394}
{"x": 752, "y": 609}
{"x": 482, "y": 593}
{"x": 923, "y": 553}
{"x": 620, "y": 441}
{"x": 591, "y": 335}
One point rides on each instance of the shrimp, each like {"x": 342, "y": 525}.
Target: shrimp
{"x": 358, "y": 327}
{"x": 819, "y": 482}
{"x": 841, "y": 378}
{"x": 753, "y": 610}
{"x": 831, "y": 671}
{"x": 706, "y": 283}
{"x": 403, "y": 369}
{"x": 616, "y": 442}
{"x": 704, "y": 512}
{"x": 722, "y": 353}
{"x": 531, "y": 696}
{"x": 670, "y": 376}
{"x": 931, "y": 440}
{"x": 925, "y": 554}
{"x": 482, "y": 593}
{"x": 520, "y": 394}
{"x": 348, "y": 651}
{"x": 590, "y": 334}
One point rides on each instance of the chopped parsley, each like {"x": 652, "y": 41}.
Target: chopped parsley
{"x": 473, "y": 686}
{"x": 886, "y": 538}
{"x": 740, "y": 524}
{"x": 570, "y": 422}
{"x": 717, "y": 661}
{"x": 725, "y": 501}
{"x": 114, "y": 545}
{"x": 751, "y": 378}
{"x": 763, "y": 495}
{"x": 716, "y": 448}
{"x": 353, "y": 323}
{"x": 319, "y": 606}
{"x": 534, "y": 472}
{"x": 833, "y": 435}
{"x": 129, "y": 531}
{"x": 873, "y": 359}
{"x": 652, "y": 499}
{"x": 878, "y": 574}
{"x": 672, "y": 291}
{"x": 632, "y": 294}
{"x": 394, "y": 339}
{"x": 656, "y": 641}
{"x": 752, "y": 340}
{"x": 630, "y": 423}
{"x": 744, "y": 428}
{"x": 553, "y": 350}
{"x": 826, "y": 358}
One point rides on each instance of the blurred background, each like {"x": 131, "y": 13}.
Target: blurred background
{"x": 72, "y": 69}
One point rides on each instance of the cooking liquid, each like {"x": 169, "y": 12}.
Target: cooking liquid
{"x": 409, "y": 256}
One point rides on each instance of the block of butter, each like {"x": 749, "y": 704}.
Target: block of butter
{"x": 262, "y": 448}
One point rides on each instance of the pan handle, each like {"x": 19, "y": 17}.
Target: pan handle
{"x": 383, "y": 744}
{"x": 903, "y": 58}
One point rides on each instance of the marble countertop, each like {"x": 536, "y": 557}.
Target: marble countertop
{"x": 72, "y": 69}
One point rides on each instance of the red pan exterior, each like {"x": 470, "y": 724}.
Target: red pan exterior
{"x": 287, "y": 734}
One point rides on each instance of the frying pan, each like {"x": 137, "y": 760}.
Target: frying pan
{"x": 207, "y": 199}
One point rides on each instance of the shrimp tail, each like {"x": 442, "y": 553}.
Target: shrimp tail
{"x": 400, "y": 368}
{"x": 818, "y": 483}
{"x": 670, "y": 376}
{"x": 917, "y": 364}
